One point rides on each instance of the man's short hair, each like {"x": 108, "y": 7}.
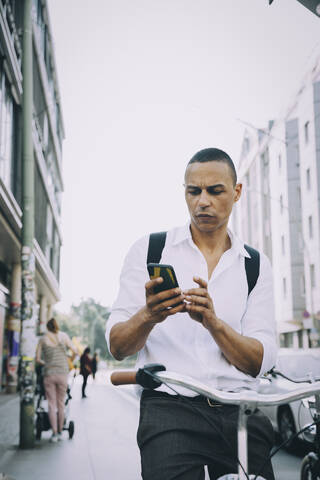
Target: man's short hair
{"x": 214, "y": 155}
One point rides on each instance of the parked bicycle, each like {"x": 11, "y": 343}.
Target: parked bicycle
{"x": 247, "y": 401}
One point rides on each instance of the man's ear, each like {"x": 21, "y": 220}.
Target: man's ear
{"x": 237, "y": 191}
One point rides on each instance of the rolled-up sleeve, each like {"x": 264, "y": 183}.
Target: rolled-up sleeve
{"x": 131, "y": 294}
{"x": 259, "y": 318}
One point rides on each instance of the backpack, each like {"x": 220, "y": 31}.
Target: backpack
{"x": 252, "y": 265}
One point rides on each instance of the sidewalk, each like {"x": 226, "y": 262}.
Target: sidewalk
{"x": 9, "y": 421}
{"x": 105, "y": 427}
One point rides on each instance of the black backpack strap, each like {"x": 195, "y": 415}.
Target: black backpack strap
{"x": 252, "y": 266}
{"x": 156, "y": 244}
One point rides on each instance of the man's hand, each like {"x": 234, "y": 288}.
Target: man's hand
{"x": 127, "y": 338}
{"x": 160, "y": 305}
{"x": 199, "y": 304}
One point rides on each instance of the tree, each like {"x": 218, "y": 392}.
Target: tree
{"x": 68, "y": 323}
{"x": 92, "y": 318}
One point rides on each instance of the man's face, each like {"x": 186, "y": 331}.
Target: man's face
{"x": 210, "y": 194}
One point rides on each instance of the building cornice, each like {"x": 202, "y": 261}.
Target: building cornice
{"x": 10, "y": 207}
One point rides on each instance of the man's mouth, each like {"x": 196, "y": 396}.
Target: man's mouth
{"x": 205, "y": 217}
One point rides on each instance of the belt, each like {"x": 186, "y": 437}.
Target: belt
{"x": 196, "y": 399}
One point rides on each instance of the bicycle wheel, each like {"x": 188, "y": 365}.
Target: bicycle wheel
{"x": 306, "y": 472}
{"x": 38, "y": 428}
{"x": 286, "y": 426}
{"x": 71, "y": 429}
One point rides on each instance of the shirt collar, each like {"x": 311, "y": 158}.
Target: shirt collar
{"x": 183, "y": 233}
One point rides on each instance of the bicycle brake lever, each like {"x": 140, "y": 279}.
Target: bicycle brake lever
{"x": 144, "y": 375}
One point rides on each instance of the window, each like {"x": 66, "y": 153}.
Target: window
{"x": 288, "y": 340}
{"x": 306, "y": 132}
{"x": 299, "y": 196}
{"x": 45, "y": 133}
{"x": 248, "y": 179}
{"x": 302, "y": 285}
{"x": 312, "y": 276}
{"x": 7, "y": 130}
{"x": 284, "y": 286}
{"x": 246, "y": 145}
{"x": 281, "y": 204}
{"x": 282, "y": 245}
{"x": 310, "y": 226}
{"x": 280, "y": 162}
{"x": 49, "y": 234}
{"x": 308, "y": 179}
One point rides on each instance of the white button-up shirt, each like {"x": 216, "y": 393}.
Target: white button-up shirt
{"x": 184, "y": 345}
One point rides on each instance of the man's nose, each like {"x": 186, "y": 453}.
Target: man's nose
{"x": 204, "y": 200}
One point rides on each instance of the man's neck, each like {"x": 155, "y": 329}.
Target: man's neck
{"x": 217, "y": 241}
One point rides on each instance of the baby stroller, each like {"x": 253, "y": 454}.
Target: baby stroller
{"x": 42, "y": 423}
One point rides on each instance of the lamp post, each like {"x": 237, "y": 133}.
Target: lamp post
{"x": 28, "y": 307}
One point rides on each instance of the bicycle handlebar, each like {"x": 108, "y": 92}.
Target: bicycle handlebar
{"x": 123, "y": 378}
{"x": 247, "y": 397}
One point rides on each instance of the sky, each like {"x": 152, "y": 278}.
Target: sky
{"x": 144, "y": 85}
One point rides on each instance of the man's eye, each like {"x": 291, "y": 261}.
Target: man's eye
{"x": 215, "y": 192}
{"x": 194, "y": 192}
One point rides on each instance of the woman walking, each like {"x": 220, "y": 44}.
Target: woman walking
{"x": 85, "y": 369}
{"x": 52, "y": 353}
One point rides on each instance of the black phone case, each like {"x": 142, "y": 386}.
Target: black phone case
{"x": 166, "y": 272}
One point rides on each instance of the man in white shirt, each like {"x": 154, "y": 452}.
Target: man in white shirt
{"x": 213, "y": 331}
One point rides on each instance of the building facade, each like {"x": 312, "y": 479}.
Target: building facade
{"x": 48, "y": 134}
{"x": 279, "y": 212}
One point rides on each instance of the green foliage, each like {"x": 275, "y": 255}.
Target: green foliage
{"x": 87, "y": 321}
{"x": 68, "y": 323}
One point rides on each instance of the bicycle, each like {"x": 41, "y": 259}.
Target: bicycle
{"x": 247, "y": 401}
{"x": 310, "y": 466}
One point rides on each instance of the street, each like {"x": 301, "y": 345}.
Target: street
{"x": 104, "y": 445}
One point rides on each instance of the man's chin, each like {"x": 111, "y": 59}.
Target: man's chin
{"x": 207, "y": 227}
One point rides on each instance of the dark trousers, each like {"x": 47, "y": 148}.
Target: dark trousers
{"x": 176, "y": 442}
{"x": 84, "y": 384}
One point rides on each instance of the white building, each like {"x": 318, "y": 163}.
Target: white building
{"x": 48, "y": 134}
{"x": 279, "y": 212}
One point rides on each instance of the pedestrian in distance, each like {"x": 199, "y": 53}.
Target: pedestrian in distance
{"x": 52, "y": 354}
{"x": 94, "y": 364}
{"x": 217, "y": 327}
{"x": 85, "y": 369}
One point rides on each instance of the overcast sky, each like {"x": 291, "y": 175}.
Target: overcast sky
{"x": 144, "y": 85}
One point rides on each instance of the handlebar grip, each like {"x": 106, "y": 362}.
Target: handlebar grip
{"x": 123, "y": 378}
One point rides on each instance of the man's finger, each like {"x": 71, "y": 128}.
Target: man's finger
{"x": 171, "y": 302}
{"x": 179, "y": 308}
{"x": 151, "y": 284}
{"x": 201, "y": 292}
{"x": 192, "y": 308}
{"x": 196, "y": 300}
{"x": 202, "y": 283}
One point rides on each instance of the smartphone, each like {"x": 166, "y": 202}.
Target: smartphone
{"x": 166, "y": 272}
